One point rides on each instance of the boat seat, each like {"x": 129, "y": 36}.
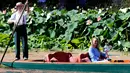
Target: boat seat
{"x": 58, "y": 57}
{"x": 84, "y": 57}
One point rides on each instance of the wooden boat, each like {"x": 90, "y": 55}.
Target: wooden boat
{"x": 119, "y": 66}
{"x": 78, "y": 67}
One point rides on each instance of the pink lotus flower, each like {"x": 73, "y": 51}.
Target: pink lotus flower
{"x": 99, "y": 18}
{"x": 4, "y": 11}
{"x": 88, "y": 22}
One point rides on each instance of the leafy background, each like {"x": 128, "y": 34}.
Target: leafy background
{"x": 62, "y": 29}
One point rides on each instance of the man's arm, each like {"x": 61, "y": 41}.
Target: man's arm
{"x": 11, "y": 19}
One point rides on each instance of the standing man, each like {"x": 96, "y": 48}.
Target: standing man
{"x": 21, "y": 31}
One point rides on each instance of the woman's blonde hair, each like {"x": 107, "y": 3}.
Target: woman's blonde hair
{"x": 97, "y": 42}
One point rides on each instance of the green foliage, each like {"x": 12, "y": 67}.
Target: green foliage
{"x": 62, "y": 29}
{"x": 3, "y": 39}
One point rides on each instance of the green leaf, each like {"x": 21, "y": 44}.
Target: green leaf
{"x": 106, "y": 33}
{"x": 68, "y": 36}
{"x": 63, "y": 11}
{"x": 37, "y": 13}
{"x": 35, "y": 24}
{"x": 61, "y": 22}
{"x": 115, "y": 37}
{"x": 110, "y": 25}
{"x": 52, "y": 33}
{"x": 72, "y": 12}
{"x": 76, "y": 41}
{"x": 42, "y": 31}
{"x": 124, "y": 16}
{"x": 95, "y": 25}
{"x": 128, "y": 25}
{"x": 124, "y": 24}
{"x": 40, "y": 20}
{"x": 97, "y": 32}
{"x": 120, "y": 29}
{"x": 72, "y": 26}
{"x": 126, "y": 44}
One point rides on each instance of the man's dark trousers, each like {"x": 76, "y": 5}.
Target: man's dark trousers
{"x": 21, "y": 33}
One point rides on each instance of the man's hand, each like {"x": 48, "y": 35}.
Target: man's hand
{"x": 26, "y": 2}
{"x": 27, "y": 6}
{"x": 12, "y": 21}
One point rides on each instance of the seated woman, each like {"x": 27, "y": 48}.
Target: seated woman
{"x": 94, "y": 52}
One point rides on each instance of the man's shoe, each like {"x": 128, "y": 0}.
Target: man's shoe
{"x": 17, "y": 58}
{"x": 25, "y": 58}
